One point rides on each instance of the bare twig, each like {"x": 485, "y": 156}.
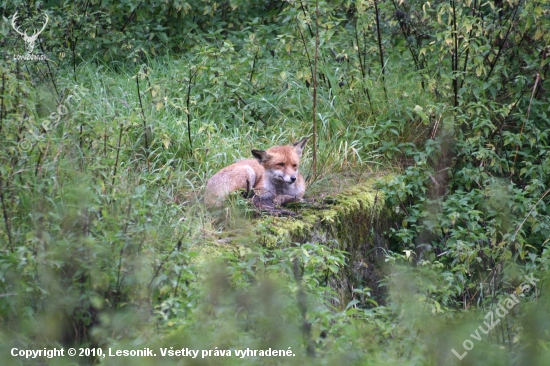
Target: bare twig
{"x": 142, "y": 115}
{"x": 177, "y": 246}
{"x": 537, "y": 80}
{"x": 145, "y": 130}
{"x": 362, "y": 66}
{"x": 2, "y": 101}
{"x": 191, "y": 76}
{"x": 502, "y": 43}
{"x": 117, "y": 154}
{"x": 5, "y": 212}
{"x": 253, "y": 111}
{"x": 454, "y": 60}
{"x": 314, "y": 159}
{"x": 401, "y": 16}
{"x": 305, "y": 15}
{"x": 253, "y": 67}
{"x": 305, "y": 46}
{"x": 380, "y": 49}
{"x": 528, "y": 214}
{"x": 468, "y": 48}
{"x": 189, "y": 112}
{"x": 130, "y": 18}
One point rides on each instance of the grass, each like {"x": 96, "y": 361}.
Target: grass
{"x": 104, "y": 241}
{"x": 105, "y": 210}
{"x": 111, "y": 101}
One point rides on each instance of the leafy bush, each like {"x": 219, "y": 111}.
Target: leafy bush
{"x": 105, "y": 147}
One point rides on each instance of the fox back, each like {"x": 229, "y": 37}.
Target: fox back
{"x": 274, "y": 171}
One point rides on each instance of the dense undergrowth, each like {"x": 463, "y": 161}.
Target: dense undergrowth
{"x": 106, "y": 147}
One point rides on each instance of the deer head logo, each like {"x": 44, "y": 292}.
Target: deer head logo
{"x": 29, "y": 40}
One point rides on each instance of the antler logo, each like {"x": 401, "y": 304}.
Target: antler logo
{"x": 29, "y": 40}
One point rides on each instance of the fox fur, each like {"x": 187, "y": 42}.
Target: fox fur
{"x": 273, "y": 172}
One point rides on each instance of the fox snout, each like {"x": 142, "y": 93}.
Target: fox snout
{"x": 278, "y": 175}
{"x": 288, "y": 178}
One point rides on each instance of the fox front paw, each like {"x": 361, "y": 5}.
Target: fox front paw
{"x": 264, "y": 200}
{"x": 283, "y": 199}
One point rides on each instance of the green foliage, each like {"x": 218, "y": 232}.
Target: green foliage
{"x": 105, "y": 148}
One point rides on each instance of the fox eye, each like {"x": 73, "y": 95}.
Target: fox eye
{"x": 281, "y": 164}
{"x": 295, "y": 165}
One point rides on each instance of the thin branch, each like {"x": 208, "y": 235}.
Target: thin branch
{"x": 142, "y": 115}
{"x": 255, "y": 114}
{"x": 2, "y": 101}
{"x": 305, "y": 16}
{"x": 382, "y": 64}
{"x": 130, "y": 18}
{"x": 117, "y": 154}
{"x": 400, "y": 15}
{"x": 191, "y": 76}
{"x": 502, "y": 43}
{"x": 189, "y": 112}
{"x": 177, "y": 246}
{"x": 314, "y": 160}
{"x": 145, "y": 132}
{"x": 537, "y": 80}
{"x": 468, "y": 48}
{"x": 529, "y": 214}
{"x": 362, "y": 65}
{"x": 305, "y": 46}
{"x": 253, "y": 67}
{"x": 454, "y": 55}
{"x": 5, "y": 212}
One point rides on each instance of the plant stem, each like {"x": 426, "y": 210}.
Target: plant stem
{"x": 50, "y": 73}
{"x": 145, "y": 132}
{"x": 142, "y": 115}
{"x": 529, "y": 214}
{"x": 537, "y": 80}
{"x": 362, "y": 66}
{"x": 73, "y": 39}
{"x": 5, "y": 212}
{"x": 117, "y": 154}
{"x": 189, "y": 112}
{"x": 454, "y": 55}
{"x": 468, "y": 48}
{"x": 191, "y": 76}
{"x": 305, "y": 16}
{"x": 314, "y": 160}
{"x": 253, "y": 67}
{"x": 380, "y": 48}
{"x": 177, "y": 246}
{"x": 502, "y": 43}
{"x": 305, "y": 47}
{"x": 406, "y": 34}
{"x": 2, "y": 101}
{"x": 131, "y": 17}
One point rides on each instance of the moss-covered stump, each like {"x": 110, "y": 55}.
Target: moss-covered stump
{"x": 354, "y": 221}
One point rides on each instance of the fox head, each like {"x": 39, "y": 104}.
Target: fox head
{"x": 281, "y": 162}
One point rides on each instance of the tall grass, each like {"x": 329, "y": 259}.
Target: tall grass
{"x": 104, "y": 241}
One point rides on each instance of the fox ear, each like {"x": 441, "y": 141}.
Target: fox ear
{"x": 260, "y": 155}
{"x": 299, "y": 146}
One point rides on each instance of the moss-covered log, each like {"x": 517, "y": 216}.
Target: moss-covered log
{"x": 354, "y": 220}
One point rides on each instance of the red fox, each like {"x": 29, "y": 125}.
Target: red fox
{"x": 274, "y": 172}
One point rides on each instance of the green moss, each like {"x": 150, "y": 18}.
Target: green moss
{"x": 339, "y": 215}
{"x": 353, "y": 221}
